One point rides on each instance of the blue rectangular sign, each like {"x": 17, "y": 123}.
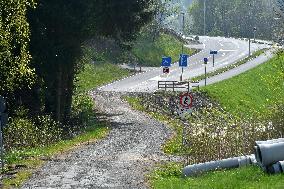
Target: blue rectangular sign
{"x": 183, "y": 60}
{"x": 166, "y": 61}
{"x": 213, "y": 52}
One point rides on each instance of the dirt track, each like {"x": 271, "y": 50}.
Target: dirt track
{"x": 121, "y": 160}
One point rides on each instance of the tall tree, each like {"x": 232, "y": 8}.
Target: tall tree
{"x": 15, "y": 71}
{"x": 233, "y": 17}
{"x": 59, "y": 29}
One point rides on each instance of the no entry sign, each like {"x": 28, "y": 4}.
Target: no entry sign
{"x": 186, "y": 100}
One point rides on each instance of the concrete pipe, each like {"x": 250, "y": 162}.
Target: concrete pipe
{"x": 268, "y": 154}
{"x": 257, "y": 143}
{"x": 276, "y": 168}
{"x": 193, "y": 170}
{"x": 269, "y": 141}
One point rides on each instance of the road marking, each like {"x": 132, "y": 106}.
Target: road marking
{"x": 222, "y": 50}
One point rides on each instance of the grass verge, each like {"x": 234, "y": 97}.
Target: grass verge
{"x": 229, "y": 67}
{"x": 169, "y": 177}
{"x": 95, "y": 75}
{"x": 150, "y": 53}
{"x": 253, "y": 93}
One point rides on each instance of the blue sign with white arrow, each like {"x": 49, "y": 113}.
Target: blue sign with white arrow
{"x": 166, "y": 61}
{"x": 183, "y": 60}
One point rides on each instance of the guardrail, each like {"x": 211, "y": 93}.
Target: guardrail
{"x": 175, "y": 85}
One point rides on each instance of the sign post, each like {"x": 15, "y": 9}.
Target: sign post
{"x": 254, "y": 31}
{"x": 214, "y": 53}
{"x": 182, "y": 63}
{"x": 185, "y": 106}
{"x": 205, "y": 63}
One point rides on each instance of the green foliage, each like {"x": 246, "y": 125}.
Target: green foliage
{"x": 121, "y": 20}
{"x": 32, "y": 157}
{"x": 15, "y": 71}
{"x": 234, "y": 18}
{"x": 150, "y": 53}
{"x": 243, "y": 178}
{"x": 83, "y": 107}
{"x": 26, "y": 133}
{"x": 60, "y": 28}
{"x": 253, "y": 93}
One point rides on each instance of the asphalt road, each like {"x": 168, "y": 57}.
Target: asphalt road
{"x": 230, "y": 50}
{"x": 240, "y": 69}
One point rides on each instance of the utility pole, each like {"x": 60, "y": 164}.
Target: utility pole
{"x": 254, "y": 36}
{"x": 182, "y": 50}
{"x": 249, "y": 29}
{"x": 183, "y": 23}
{"x": 204, "y": 9}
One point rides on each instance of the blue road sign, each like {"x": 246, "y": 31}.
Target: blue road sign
{"x": 183, "y": 60}
{"x": 205, "y": 60}
{"x": 166, "y": 61}
{"x": 213, "y": 52}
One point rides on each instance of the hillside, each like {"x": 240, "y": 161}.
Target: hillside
{"x": 150, "y": 53}
{"x": 255, "y": 92}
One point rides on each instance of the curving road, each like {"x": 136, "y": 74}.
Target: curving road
{"x": 230, "y": 50}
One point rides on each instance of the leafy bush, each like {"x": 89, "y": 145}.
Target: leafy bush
{"x": 83, "y": 107}
{"x": 23, "y": 132}
{"x": 214, "y": 134}
{"x": 210, "y": 133}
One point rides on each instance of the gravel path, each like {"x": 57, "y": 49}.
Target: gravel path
{"x": 121, "y": 160}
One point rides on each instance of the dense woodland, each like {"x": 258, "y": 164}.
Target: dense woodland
{"x": 235, "y": 18}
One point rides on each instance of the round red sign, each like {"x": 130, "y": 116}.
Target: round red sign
{"x": 186, "y": 100}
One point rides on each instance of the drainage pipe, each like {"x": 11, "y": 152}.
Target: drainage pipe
{"x": 276, "y": 168}
{"x": 269, "y": 153}
{"x": 235, "y": 162}
{"x": 257, "y": 143}
{"x": 269, "y": 141}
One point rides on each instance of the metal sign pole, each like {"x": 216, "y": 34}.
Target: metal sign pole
{"x": 213, "y": 60}
{"x": 249, "y": 46}
{"x": 205, "y": 75}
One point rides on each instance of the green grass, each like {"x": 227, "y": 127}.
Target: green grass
{"x": 169, "y": 177}
{"x": 253, "y": 93}
{"x": 232, "y": 66}
{"x": 95, "y": 75}
{"x": 150, "y": 53}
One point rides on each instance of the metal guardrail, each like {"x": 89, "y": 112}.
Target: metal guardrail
{"x": 175, "y": 85}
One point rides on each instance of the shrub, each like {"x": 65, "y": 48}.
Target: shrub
{"x": 211, "y": 133}
{"x": 83, "y": 107}
{"x": 23, "y": 132}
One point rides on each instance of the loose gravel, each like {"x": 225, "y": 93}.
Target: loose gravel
{"x": 121, "y": 160}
